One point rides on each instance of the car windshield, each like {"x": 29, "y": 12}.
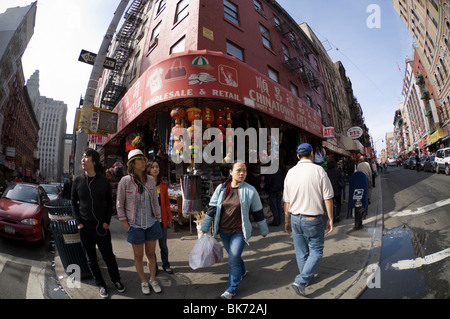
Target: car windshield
{"x": 50, "y": 189}
{"x": 22, "y": 193}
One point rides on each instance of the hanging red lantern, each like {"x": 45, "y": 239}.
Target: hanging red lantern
{"x": 193, "y": 114}
{"x": 178, "y": 114}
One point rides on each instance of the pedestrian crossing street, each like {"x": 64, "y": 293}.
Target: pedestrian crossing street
{"x": 22, "y": 278}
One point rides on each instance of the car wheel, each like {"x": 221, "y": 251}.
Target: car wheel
{"x": 447, "y": 170}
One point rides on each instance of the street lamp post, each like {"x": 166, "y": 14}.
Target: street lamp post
{"x": 88, "y": 103}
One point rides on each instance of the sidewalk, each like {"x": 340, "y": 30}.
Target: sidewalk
{"x": 342, "y": 273}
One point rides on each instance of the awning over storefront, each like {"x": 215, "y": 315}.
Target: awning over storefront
{"x": 336, "y": 145}
{"x": 207, "y": 74}
{"x": 433, "y": 138}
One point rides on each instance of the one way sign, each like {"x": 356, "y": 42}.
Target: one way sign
{"x": 89, "y": 58}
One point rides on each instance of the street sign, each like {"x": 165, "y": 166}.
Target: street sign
{"x": 89, "y": 58}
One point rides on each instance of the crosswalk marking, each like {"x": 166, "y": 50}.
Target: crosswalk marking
{"x": 35, "y": 280}
{"x": 418, "y": 262}
{"x": 420, "y": 210}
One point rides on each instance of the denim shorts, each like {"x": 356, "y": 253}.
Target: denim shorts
{"x": 138, "y": 236}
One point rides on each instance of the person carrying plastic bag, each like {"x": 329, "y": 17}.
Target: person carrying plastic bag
{"x": 206, "y": 252}
{"x": 229, "y": 209}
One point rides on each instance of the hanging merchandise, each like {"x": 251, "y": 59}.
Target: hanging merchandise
{"x": 133, "y": 141}
{"x": 192, "y": 192}
{"x": 230, "y": 137}
{"x": 319, "y": 155}
{"x": 178, "y": 114}
{"x": 194, "y": 114}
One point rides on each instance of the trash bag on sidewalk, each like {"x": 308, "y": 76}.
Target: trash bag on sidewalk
{"x": 206, "y": 252}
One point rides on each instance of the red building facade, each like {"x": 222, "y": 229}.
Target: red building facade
{"x": 20, "y": 132}
{"x": 249, "y": 56}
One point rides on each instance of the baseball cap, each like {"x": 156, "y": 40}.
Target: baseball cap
{"x": 304, "y": 147}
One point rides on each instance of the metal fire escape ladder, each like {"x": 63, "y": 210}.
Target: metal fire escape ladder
{"x": 297, "y": 64}
{"x": 124, "y": 45}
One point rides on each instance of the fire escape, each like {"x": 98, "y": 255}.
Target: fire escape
{"x": 300, "y": 64}
{"x": 117, "y": 84}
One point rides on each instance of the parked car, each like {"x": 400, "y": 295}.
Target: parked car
{"x": 53, "y": 191}
{"x": 422, "y": 162}
{"x": 428, "y": 165}
{"x": 406, "y": 163}
{"x": 23, "y": 214}
{"x": 442, "y": 161}
{"x": 412, "y": 162}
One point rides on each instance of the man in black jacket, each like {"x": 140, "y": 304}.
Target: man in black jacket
{"x": 92, "y": 207}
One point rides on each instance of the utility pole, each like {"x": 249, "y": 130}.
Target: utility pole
{"x": 88, "y": 103}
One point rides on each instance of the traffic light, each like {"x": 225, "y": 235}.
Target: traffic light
{"x": 107, "y": 122}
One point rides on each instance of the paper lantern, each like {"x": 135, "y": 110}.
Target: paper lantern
{"x": 193, "y": 114}
{"x": 178, "y": 114}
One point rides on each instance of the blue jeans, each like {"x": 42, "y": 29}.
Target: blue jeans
{"x": 308, "y": 234}
{"x": 275, "y": 207}
{"x": 234, "y": 245}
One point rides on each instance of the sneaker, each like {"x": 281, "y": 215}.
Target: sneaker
{"x": 145, "y": 288}
{"x": 103, "y": 292}
{"x": 299, "y": 289}
{"x": 119, "y": 286}
{"x": 227, "y": 295}
{"x": 155, "y": 286}
{"x": 244, "y": 275}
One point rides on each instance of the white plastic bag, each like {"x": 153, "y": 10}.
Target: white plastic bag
{"x": 206, "y": 252}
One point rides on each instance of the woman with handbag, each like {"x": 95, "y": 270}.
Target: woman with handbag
{"x": 229, "y": 209}
{"x": 138, "y": 209}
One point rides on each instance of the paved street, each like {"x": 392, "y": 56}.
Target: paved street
{"x": 416, "y": 227}
{"x": 416, "y": 237}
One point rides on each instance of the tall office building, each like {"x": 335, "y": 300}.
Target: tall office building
{"x": 51, "y": 115}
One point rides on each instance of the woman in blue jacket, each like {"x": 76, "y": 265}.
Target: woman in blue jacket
{"x": 229, "y": 209}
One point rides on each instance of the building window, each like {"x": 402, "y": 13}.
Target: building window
{"x": 234, "y": 50}
{"x": 285, "y": 52}
{"x": 182, "y": 10}
{"x": 231, "y": 12}
{"x": 265, "y": 36}
{"x": 154, "y": 38}
{"x": 277, "y": 21}
{"x": 178, "y": 46}
{"x": 273, "y": 74}
{"x": 258, "y": 6}
{"x": 294, "y": 89}
{"x": 309, "y": 100}
{"x": 135, "y": 66}
{"x": 161, "y": 6}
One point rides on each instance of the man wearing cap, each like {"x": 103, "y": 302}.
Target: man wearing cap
{"x": 306, "y": 187}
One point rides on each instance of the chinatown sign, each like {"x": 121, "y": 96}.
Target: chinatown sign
{"x": 207, "y": 74}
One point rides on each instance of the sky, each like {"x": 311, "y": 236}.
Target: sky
{"x": 367, "y": 36}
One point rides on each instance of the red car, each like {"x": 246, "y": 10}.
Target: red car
{"x": 22, "y": 212}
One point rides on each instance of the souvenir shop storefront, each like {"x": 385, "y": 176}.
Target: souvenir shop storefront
{"x": 217, "y": 91}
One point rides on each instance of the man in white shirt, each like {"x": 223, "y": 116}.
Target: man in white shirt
{"x": 306, "y": 187}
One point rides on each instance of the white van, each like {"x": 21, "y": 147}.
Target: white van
{"x": 442, "y": 161}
